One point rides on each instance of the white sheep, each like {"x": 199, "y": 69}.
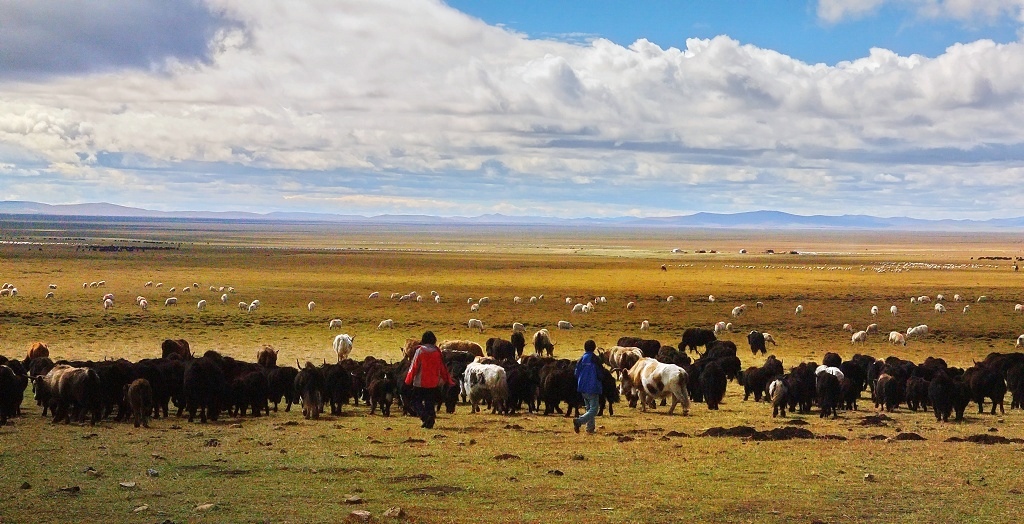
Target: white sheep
{"x": 872, "y": 328}
{"x": 474, "y": 307}
{"x": 893, "y": 310}
{"x": 939, "y": 308}
{"x": 224, "y": 299}
{"x": 799, "y": 309}
{"x": 201, "y": 305}
{"x": 533, "y": 300}
{"x": 860, "y": 336}
{"x": 967, "y": 308}
{"x": 848, "y": 327}
{"x": 171, "y": 301}
{"x": 568, "y": 300}
{"x": 769, "y": 338}
{"x": 517, "y": 300}
{"x": 334, "y": 323}
{"x": 874, "y": 311}
{"x": 897, "y": 339}
{"x": 759, "y": 305}
{"x": 564, "y": 324}
{"x": 311, "y": 306}
{"x": 578, "y": 308}
{"x": 375, "y": 294}
{"x": 343, "y": 345}
{"x": 243, "y": 306}
{"x": 144, "y": 304}
{"x": 645, "y": 325}
{"x": 518, "y": 327}
{"x": 475, "y": 323}
{"x": 148, "y": 284}
{"x": 53, "y": 286}
{"x": 49, "y": 295}
{"x": 630, "y": 305}
{"x": 437, "y": 299}
{"x": 386, "y": 323}
{"x": 108, "y": 303}
{"x": 711, "y": 298}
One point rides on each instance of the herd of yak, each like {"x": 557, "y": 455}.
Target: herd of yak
{"x": 210, "y": 384}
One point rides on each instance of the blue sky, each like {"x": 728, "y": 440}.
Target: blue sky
{"x": 791, "y": 27}
{"x": 569, "y": 109}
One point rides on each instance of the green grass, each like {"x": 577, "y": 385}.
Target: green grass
{"x": 282, "y": 468}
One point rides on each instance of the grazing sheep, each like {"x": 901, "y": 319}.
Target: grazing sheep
{"x": 343, "y": 346}
{"x": 49, "y": 295}
{"x": 860, "y": 336}
{"x": 243, "y": 306}
{"x": 186, "y": 289}
{"x": 253, "y": 306}
{"x": 759, "y": 305}
{"x": 517, "y": 300}
{"x": 645, "y": 325}
{"x": 1020, "y": 341}
{"x": 201, "y": 305}
{"x": 144, "y": 304}
{"x": 897, "y": 338}
{"x": 982, "y": 298}
{"x": 939, "y": 308}
{"x": 311, "y": 306}
{"x": 474, "y": 307}
{"x": 53, "y": 286}
{"x": 476, "y": 323}
{"x": 893, "y": 310}
{"x": 159, "y": 284}
{"x": 769, "y": 338}
{"x": 172, "y": 290}
{"x": 719, "y": 327}
{"x": 631, "y": 305}
{"x": 437, "y": 299}
{"x": 224, "y": 299}
{"x": 917, "y": 330}
{"x": 1019, "y": 308}
{"x": 872, "y": 329}
{"x": 568, "y": 300}
{"x": 148, "y": 284}
{"x": 533, "y": 300}
{"x": 669, "y": 298}
{"x": 967, "y": 308}
{"x": 334, "y": 323}
{"x": 737, "y": 311}
{"x": 564, "y": 324}
{"x": 711, "y": 298}
{"x": 957, "y": 298}
{"x": 375, "y": 294}
{"x": 171, "y": 301}
{"x": 848, "y": 327}
{"x": 578, "y": 308}
{"x": 108, "y": 303}
{"x": 799, "y": 309}
{"x": 386, "y": 323}
{"x": 874, "y": 311}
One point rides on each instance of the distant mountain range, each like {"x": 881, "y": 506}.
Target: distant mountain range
{"x": 746, "y": 220}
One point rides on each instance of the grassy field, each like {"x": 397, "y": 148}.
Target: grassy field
{"x": 486, "y": 468}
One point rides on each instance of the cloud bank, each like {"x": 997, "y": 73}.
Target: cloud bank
{"x": 392, "y": 106}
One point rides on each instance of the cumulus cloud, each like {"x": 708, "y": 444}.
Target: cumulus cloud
{"x": 971, "y": 11}
{"x": 60, "y": 37}
{"x": 392, "y": 105}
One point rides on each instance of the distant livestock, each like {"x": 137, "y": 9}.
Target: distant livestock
{"x": 201, "y": 305}
{"x": 630, "y": 305}
{"x": 848, "y": 327}
{"x": 874, "y": 311}
{"x": 872, "y": 329}
{"x": 893, "y": 310}
{"x": 799, "y": 309}
{"x": 518, "y": 327}
{"x": 711, "y": 298}
{"x": 171, "y": 301}
{"x": 342, "y": 346}
{"x": 917, "y": 330}
{"x": 224, "y": 299}
{"x": 645, "y": 325}
{"x": 897, "y": 339}
{"x": 564, "y": 324}
{"x": 768, "y": 338}
{"x": 939, "y": 308}
{"x": 386, "y": 323}
{"x": 860, "y": 336}
{"x": 375, "y": 294}
{"x": 542, "y": 343}
{"x": 311, "y": 306}
{"x": 475, "y": 323}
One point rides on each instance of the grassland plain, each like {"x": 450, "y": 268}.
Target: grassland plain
{"x": 482, "y": 467}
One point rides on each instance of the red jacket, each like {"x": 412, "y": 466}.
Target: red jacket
{"x": 428, "y": 369}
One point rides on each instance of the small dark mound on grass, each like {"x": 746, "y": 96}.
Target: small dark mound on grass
{"x": 231, "y": 472}
{"x": 783, "y": 434}
{"x": 414, "y": 441}
{"x": 440, "y": 491}
{"x": 985, "y": 439}
{"x": 507, "y": 456}
{"x": 876, "y": 420}
{"x": 908, "y": 436}
{"x": 831, "y": 437}
{"x": 738, "y": 431}
{"x": 797, "y": 422}
{"x": 626, "y": 438}
{"x": 409, "y": 478}
{"x": 674, "y": 433}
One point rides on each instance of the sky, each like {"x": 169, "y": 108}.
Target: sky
{"x": 534, "y": 107}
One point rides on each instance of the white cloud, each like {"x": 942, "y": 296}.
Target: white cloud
{"x": 390, "y": 104}
{"x": 970, "y": 11}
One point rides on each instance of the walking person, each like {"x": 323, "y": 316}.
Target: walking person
{"x": 588, "y": 385}
{"x": 426, "y": 375}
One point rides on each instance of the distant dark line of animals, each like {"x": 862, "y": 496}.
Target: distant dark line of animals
{"x": 499, "y": 376}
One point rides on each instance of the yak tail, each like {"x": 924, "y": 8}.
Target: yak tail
{"x": 297, "y": 364}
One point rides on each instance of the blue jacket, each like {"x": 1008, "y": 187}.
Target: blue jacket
{"x": 586, "y": 374}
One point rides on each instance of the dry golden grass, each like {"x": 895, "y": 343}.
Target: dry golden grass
{"x": 282, "y": 468}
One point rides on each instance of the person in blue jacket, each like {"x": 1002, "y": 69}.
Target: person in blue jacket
{"x": 588, "y": 385}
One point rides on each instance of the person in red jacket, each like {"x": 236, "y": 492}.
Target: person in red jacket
{"x": 426, "y": 374}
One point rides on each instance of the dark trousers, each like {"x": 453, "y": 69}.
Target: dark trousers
{"x": 424, "y": 403}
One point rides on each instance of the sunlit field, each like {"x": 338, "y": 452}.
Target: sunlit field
{"x": 643, "y": 467}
